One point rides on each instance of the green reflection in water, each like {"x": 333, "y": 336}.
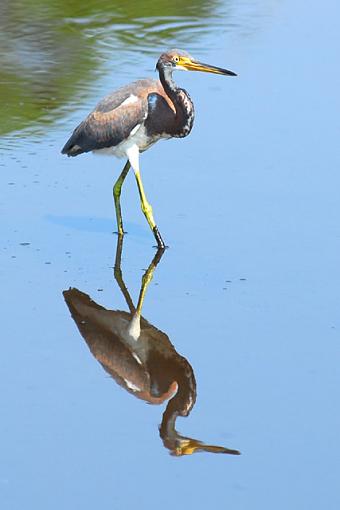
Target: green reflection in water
{"x": 53, "y": 52}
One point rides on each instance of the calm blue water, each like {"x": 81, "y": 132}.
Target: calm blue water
{"x": 248, "y": 292}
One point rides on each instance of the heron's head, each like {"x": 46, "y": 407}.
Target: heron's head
{"x": 179, "y": 59}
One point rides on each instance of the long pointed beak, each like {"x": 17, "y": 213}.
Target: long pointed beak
{"x": 194, "y": 65}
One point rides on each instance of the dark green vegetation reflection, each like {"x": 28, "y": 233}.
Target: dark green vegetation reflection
{"x": 140, "y": 357}
{"x": 52, "y": 52}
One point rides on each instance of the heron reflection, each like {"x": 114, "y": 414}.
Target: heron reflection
{"x": 140, "y": 357}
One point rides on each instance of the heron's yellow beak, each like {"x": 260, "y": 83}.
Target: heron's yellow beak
{"x": 188, "y": 64}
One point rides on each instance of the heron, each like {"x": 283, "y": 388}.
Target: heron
{"x": 134, "y": 117}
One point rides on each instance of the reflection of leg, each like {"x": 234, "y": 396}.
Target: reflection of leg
{"x": 119, "y": 276}
{"x": 147, "y": 277}
{"x": 133, "y": 155}
{"x": 117, "y": 188}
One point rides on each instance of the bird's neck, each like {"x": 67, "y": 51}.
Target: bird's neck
{"x": 181, "y": 101}
{"x": 170, "y": 87}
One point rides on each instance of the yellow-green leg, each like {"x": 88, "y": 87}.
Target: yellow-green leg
{"x": 147, "y": 210}
{"x": 117, "y": 189}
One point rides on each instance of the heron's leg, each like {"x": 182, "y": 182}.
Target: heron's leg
{"x": 117, "y": 188}
{"x": 147, "y": 210}
{"x": 133, "y": 155}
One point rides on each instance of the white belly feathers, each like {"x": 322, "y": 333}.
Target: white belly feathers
{"x": 137, "y": 137}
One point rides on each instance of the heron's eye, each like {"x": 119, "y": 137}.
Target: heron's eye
{"x": 176, "y": 59}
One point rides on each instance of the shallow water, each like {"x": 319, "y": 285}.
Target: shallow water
{"x": 247, "y": 293}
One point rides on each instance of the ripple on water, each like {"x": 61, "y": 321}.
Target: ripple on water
{"x": 53, "y": 56}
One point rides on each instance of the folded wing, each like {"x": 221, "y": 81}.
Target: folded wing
{"x": 113, "y": 119}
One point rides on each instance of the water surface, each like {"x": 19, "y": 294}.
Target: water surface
{"x": 248, "y": 292}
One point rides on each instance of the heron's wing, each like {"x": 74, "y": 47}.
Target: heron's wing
{"x": 112, "y": 120}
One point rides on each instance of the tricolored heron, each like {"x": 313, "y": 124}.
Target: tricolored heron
{"x": 140, "y": 357}
{"x": 136, "y": 116}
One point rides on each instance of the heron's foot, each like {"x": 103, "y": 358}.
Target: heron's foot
{"x": 159, "y": 240}
{"x": 120, "y": 232}
{"x": 161, "y": 248}
{"x": 117, "y": 273}
{"x": 166, "y": 247}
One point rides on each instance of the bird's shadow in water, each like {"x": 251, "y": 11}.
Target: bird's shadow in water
{"x": 140, "y": 357}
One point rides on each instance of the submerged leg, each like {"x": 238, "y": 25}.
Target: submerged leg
{"x": 117, "y": 188}
{"x": 133, "y": 155}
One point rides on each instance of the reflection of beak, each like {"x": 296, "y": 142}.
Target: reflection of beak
{"x": 188, "y": 446}
{"x": 193, "y": 65}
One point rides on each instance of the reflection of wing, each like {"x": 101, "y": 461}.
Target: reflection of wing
{"x": 99, "y": 327}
